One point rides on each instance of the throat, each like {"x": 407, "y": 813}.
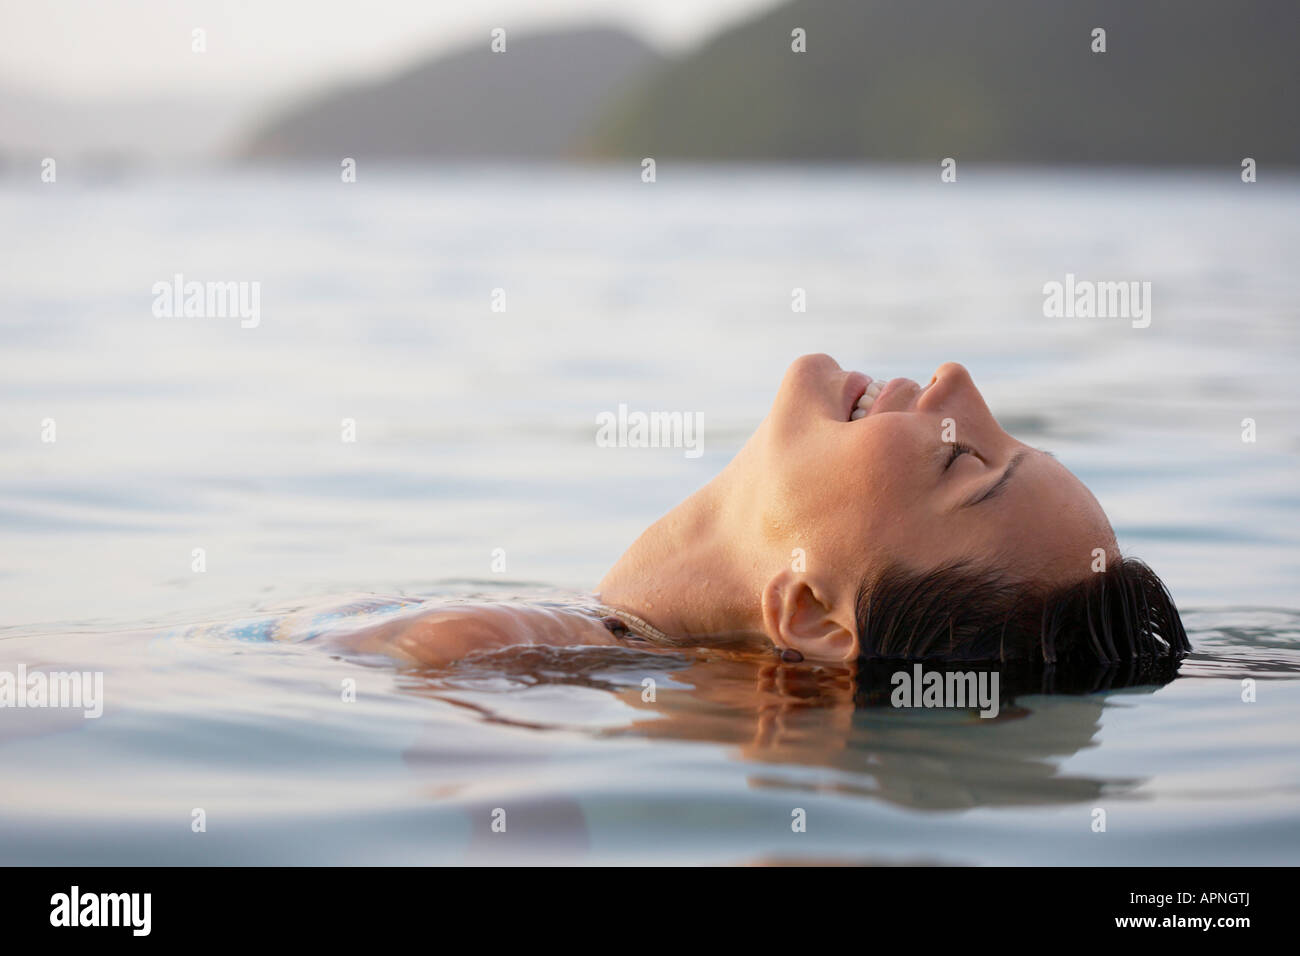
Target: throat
{"x": 689, "y": 577}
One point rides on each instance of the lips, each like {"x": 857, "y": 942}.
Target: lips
{"x": 866, "y": 401}
{"x": 854, "y": 387}
{"x": 877, "y": 396}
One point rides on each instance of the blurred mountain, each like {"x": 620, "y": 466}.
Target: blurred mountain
{"x": 1182, "y": 82}
{"x": 532, "y": 101}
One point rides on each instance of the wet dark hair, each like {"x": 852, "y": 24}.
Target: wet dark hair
{"x": 1122, "y": 616}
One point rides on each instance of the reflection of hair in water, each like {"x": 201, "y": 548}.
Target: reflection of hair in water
{"x": 778, "y": 717}
{"x": 959, "y": 613}
{"x": 875, "y": 677}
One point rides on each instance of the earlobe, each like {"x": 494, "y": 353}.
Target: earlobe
{"x": 796, "y": 617}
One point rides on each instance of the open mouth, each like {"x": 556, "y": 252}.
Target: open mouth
{"x": 878, "y": 394}
{"x": 867, "y": 400}
{"x": 855, "y": 386}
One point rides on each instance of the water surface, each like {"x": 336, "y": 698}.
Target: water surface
{"x": 475, "y": 442}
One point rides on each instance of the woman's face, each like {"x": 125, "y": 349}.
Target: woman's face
{"x": 925, "y": 478}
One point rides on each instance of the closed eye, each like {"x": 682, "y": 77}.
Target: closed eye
{"x": 958, "y": 449}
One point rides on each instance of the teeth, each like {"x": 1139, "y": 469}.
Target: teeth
{"x": 867, "y": 400}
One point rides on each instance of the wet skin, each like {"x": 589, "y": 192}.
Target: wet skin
{"x": 773, "y": 550}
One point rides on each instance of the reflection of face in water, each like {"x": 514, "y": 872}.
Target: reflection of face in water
{"x": 831, "y": 716}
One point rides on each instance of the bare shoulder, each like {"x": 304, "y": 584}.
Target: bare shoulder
{"x": 444, "y": 633}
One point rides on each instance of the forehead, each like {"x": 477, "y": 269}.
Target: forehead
{"x": 1046, "y": 524}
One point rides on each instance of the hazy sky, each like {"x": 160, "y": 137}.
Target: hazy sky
{"x": 116, "y": 48}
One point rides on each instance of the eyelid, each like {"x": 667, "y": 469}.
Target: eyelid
{"x": 1001, "y": 483}
{"x": 958, "y": 449}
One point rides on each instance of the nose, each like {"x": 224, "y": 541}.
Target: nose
{"x": 952, "y": 392}
{"x": 950, "y": 382}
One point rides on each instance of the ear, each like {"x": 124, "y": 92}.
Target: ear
{"x": 797, "y": 616}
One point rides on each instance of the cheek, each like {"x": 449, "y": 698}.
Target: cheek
{"x": 846, "y": 483}
{"x": 889, "y": 463}
{"x": 811, "y": 479}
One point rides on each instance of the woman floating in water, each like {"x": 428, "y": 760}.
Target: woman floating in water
{"x": 863, "y": 521}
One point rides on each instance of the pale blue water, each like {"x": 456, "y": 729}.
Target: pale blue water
{"x": 475, "y": 432}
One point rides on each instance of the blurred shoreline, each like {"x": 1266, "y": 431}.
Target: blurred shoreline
{"x": 101, "y": 169}
{"x": 1193, "y": 84}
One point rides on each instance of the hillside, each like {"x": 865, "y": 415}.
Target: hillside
{"x": 531, "y": 102}
{"x": 1182, "y": 82}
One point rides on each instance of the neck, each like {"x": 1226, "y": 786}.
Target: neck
{"x": 697, "y": 572}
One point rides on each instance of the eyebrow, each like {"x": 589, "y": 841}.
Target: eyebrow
{"x": 999, "y": 484}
